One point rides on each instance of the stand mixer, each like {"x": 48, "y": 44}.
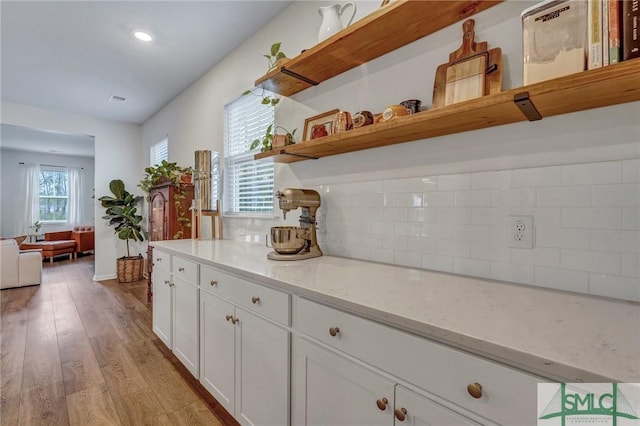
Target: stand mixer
{"x": 296, "y": 242}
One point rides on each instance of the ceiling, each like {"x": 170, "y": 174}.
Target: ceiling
{"x": 20, "y": 138}
{"x": 73, "y": 55}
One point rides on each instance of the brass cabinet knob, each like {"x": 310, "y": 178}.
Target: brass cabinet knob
{"x": 167, "y": 282}
{"x": 213, "y": 283}
{"x": 180, "y": 269}
{"x": 255, "y": 300}
{"x": 232, "y": 319}
{"x": 334, "y": 330}
{"x": 400, "y": 413}
{"x": 382, "y": 403}
{"x": 229, "y": 317}
{"x": 158, "y": 259}
{"x": 475, "y": 390}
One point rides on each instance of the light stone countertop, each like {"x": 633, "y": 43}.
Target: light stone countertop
{"x": 556, "y": 335}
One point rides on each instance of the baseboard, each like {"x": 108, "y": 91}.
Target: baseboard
{"x": 104, "y": 277}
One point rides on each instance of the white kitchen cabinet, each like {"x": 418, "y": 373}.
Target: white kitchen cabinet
{"x": 186, "y": 321}
{"x": 244, "y": 357}
{"x": 163, "y": 305}
{"x": 413, "y": 409}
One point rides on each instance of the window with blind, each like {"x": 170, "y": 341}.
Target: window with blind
{"x": 159, "y": 152}
{"x": 248, "y": 184}
{"x": 53, "y": 196}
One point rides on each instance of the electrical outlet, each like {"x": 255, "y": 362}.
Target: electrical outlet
{"x": 520, "y": 231}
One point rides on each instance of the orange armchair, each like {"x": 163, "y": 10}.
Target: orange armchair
{"x": 84, "y": 237}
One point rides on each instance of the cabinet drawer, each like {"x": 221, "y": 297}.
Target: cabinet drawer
{"x": 508, "y": 395}
{"x": 271, "y": 303}
{"x": 161, "y": 260}
{"x": 185, "y": 269}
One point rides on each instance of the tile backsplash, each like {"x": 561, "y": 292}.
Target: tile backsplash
{"x": 586, "y": 221}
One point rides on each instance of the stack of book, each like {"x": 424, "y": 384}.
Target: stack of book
{"x": 613, "y": 33}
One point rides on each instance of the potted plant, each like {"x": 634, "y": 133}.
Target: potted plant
{"x": 122, "y": 215}
{"x": 272, "y": 140}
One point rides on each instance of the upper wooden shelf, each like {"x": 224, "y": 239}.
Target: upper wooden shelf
{"x": 382, "y": 31}
{"x": 611, "y": 85}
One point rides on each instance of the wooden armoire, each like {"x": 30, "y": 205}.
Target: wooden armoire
{"x": 168, "y": 220}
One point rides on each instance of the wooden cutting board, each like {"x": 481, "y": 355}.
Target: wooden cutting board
{"x": 472, "y": 71}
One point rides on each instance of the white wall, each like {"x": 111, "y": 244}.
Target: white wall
{"x": 117, "y": 156}
{"x": 591, "y": 138}
{"x": 12, "y": 188}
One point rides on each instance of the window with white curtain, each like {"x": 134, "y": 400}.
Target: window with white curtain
{"x": 54, "y": 194}
{"x": 159, "y": 152}
{"x": 248, "y": 184}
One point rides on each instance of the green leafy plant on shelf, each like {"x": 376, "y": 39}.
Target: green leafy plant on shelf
{"x": 273, "y": 57}
{"x": 266, "y": 143}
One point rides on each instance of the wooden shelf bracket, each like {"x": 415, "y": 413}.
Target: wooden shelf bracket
{"x": 301, "y": 77}
{"x": 308, "y": 157}
{"x": 524, "y": 103}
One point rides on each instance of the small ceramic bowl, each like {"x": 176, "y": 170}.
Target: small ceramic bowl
{"x": 412, "y": 104}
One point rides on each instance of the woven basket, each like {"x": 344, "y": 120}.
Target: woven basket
{"x": 130, "y": 269}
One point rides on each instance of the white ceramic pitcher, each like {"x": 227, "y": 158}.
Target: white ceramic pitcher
{"x": 331, "y": 22}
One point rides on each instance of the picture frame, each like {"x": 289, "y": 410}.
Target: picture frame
{"x": 326, "y": 119}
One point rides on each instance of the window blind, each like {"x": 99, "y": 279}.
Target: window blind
{"x": 248, "y": 184}
{"x": 159, "y": 152}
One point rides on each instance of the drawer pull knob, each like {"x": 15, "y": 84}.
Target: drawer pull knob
{"x": 400, "y": 413}
{"x": 334, "y": 331}
{"x": 232, "y": 319}
{"x": 382, "y": 403}
{"x": 180, "y": 269}
{"x": 167, "y": 282}
{"x": 475, "y": 390}
{"x": 172, "y": 284}
{"x": 158, "y": 259}
{"x": 213, "y": 283}
{"x": 255, "y": 300}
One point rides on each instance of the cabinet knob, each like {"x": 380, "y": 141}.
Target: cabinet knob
{"x": 255, "y": 300}
{"x": 181, "y": 269}
{"x": 213, "y": 283}
{"x": 475, "y": 390}
{"x": 172, "y": 284}
{"x": 232, "y": 319}
{"x": 167, "y": 282}
{"x": 400, "y": 413}
{"x": 158, "y": 259}
{"x": 382, "y": 403}
{"x": 334, "y": 331}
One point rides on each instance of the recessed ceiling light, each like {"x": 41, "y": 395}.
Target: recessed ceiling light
{"x": 116, "y": 98}
{"x": 142, "y": 35}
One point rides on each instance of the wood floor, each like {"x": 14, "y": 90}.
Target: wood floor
{"x": 78, "y": 352}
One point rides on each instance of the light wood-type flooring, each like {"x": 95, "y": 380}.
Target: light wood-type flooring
{"x": 78, "y": 352}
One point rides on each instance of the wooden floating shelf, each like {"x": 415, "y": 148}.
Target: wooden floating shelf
{"x": 611, "y": 85}
{"x": 387, "y": 29}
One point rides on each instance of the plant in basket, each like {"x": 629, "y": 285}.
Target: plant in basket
{"x": 122, "y": 214}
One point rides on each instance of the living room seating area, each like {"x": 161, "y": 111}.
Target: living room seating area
{"x": 81, "y": 239}
{"x": 19, "y": 268}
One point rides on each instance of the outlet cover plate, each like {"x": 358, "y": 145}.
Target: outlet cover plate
{"x": 520, "y": 231}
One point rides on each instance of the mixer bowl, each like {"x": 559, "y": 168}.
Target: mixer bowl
{"x": 287, "y": 239}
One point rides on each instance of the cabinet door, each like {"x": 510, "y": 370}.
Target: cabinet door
{"x": 157, "y": 215}
{"x": 186, "y": 322}
{"x": 163, "y": 306}
{"x": 217, "y": 349}
{"x": 262, "y": 371}
{"x": 416, "y": 410}
{"x": 332, "y": 390}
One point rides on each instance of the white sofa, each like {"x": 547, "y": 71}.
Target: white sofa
{"x": 18, "y": 269}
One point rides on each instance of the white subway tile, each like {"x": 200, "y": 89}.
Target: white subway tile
{"x": 539, "y": 256}
{"x": 378, "y": 227}
{"x": 437, "y": 263}
{"x": 368, "y": 240}
{"x": 394, "y": 243}
{"x": 407, "y": 258}
{"x": 416, "y": 184}
{"x": 631, "y": 170}
{"x": 454, "y": 182}
{"x": 561, "y": 279}
{"x": 499, "y": 234}
{"x": 631, "y": 265}
{"x": 471, "y": 232}
{"x": 590, "y": 261}
{"x": 489, "y": 215}
{"x": 438, "y": 199}
{"x": 562, "y": 237}
{"x": 509, "y": 272}
{"x": 592, "y": 217}
{"x": 437, "y": 231}
{"x": 565, "y": 196}
{"x": 473, "y": 198}
{"x": 381, "y": 255}
{"x": 631, "y": 218}
{"x": 542, "y": 216}
{"x": 369, "y": 213}
{"x": 407, "y": 199}
{"x": 491, "y": 180}
{"x": 490, "y": 251}
{"x": 513, "y": 197}
{"x": 592, "y": 173}
{"x": 453, "y": 248}
{"x": 422, "y": 215}
{"x": 370, "y": 187}
{"x": 422, "y": 245}
{"x": 395, "y": 214}
{"x": 454, "y": 215}
{"x": 477, "y": 268}
{"x": 625, "y": 194}
{"x": 408, "y": 229}
{"x": 621, "y": 241}
{"x": 537, "y": 176}
{"x": 615, "y": 286}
